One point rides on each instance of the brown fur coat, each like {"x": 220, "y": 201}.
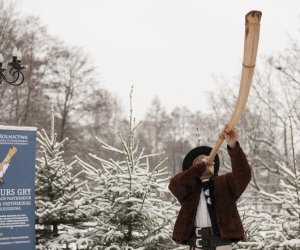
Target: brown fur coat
{"x": 186, "y": 187}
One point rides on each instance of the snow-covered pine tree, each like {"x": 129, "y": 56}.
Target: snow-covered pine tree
{"x": 58, "y": 192}
{"x": 256, "y": 223}
{"x": 275, "y": 223}
{"x": 286, "y": 233}
{"x": 127, "y": 202}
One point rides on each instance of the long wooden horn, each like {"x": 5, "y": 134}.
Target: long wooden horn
{"x": 250, "y": 52}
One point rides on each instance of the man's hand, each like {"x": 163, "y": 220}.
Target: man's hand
{"x": 209, "y": 168}
{"x": 209, "y": 171}
{"x": 230, "y": 137}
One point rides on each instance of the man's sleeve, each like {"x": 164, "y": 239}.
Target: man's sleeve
{"x": 181, "y": 183}
{"x": 240, "y": 176}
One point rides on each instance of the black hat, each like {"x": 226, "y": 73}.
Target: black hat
{"x": 194, "y": 153}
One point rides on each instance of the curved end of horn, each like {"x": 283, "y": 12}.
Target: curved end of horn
{"x": 253, "y": 17}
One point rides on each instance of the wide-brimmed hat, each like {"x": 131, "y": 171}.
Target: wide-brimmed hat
{"x": 194, "y": 153}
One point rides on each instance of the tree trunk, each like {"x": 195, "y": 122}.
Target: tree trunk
{"x": 55, "y": 229}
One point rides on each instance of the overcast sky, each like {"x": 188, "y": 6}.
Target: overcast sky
{"x": 168, "y": 48}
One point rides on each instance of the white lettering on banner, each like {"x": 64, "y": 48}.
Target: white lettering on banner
{"x": 7, "y": 192}
{"x": 13, "y": 200}
{"x": 14, "y": 221}
{"x": 24, "y": 191}
{"x": 13, "y": 139}
{"x": 14, "y": 240}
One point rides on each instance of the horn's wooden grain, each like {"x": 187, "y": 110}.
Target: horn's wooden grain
{"x": 249, "y": 59}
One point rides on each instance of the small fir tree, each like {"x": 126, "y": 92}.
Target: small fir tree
{"x": 57, "y": 191}
{"x": 127, "y": 203}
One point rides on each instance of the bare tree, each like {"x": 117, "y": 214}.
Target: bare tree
{"x": 72, "y": 77}
{"x": 156, "y": 124}
{"x": 24, "y": 105}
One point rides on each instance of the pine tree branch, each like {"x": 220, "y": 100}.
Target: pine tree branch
{"x": 149, "y": 179}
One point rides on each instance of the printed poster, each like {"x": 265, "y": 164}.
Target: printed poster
{"x": 17, "y": 188}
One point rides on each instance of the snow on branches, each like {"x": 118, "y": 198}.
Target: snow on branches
{"x": 277, "y": 225}
{"x": 57, "y": 190}
{"x": 127, "y": 200}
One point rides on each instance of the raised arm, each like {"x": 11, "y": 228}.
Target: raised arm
{"x": 240, "y": 176}
{"x": 181, "y": 183}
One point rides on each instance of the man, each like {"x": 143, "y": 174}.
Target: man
{"x": 5, "y": 163}
{"x": 208, "y": 218}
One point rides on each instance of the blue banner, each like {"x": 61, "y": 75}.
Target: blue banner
{"x": 17, "y": 188}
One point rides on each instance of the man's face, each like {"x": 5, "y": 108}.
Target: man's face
{"x": 209, "y": 166}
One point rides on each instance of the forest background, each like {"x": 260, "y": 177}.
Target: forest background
{"x": 84, "y": 109}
